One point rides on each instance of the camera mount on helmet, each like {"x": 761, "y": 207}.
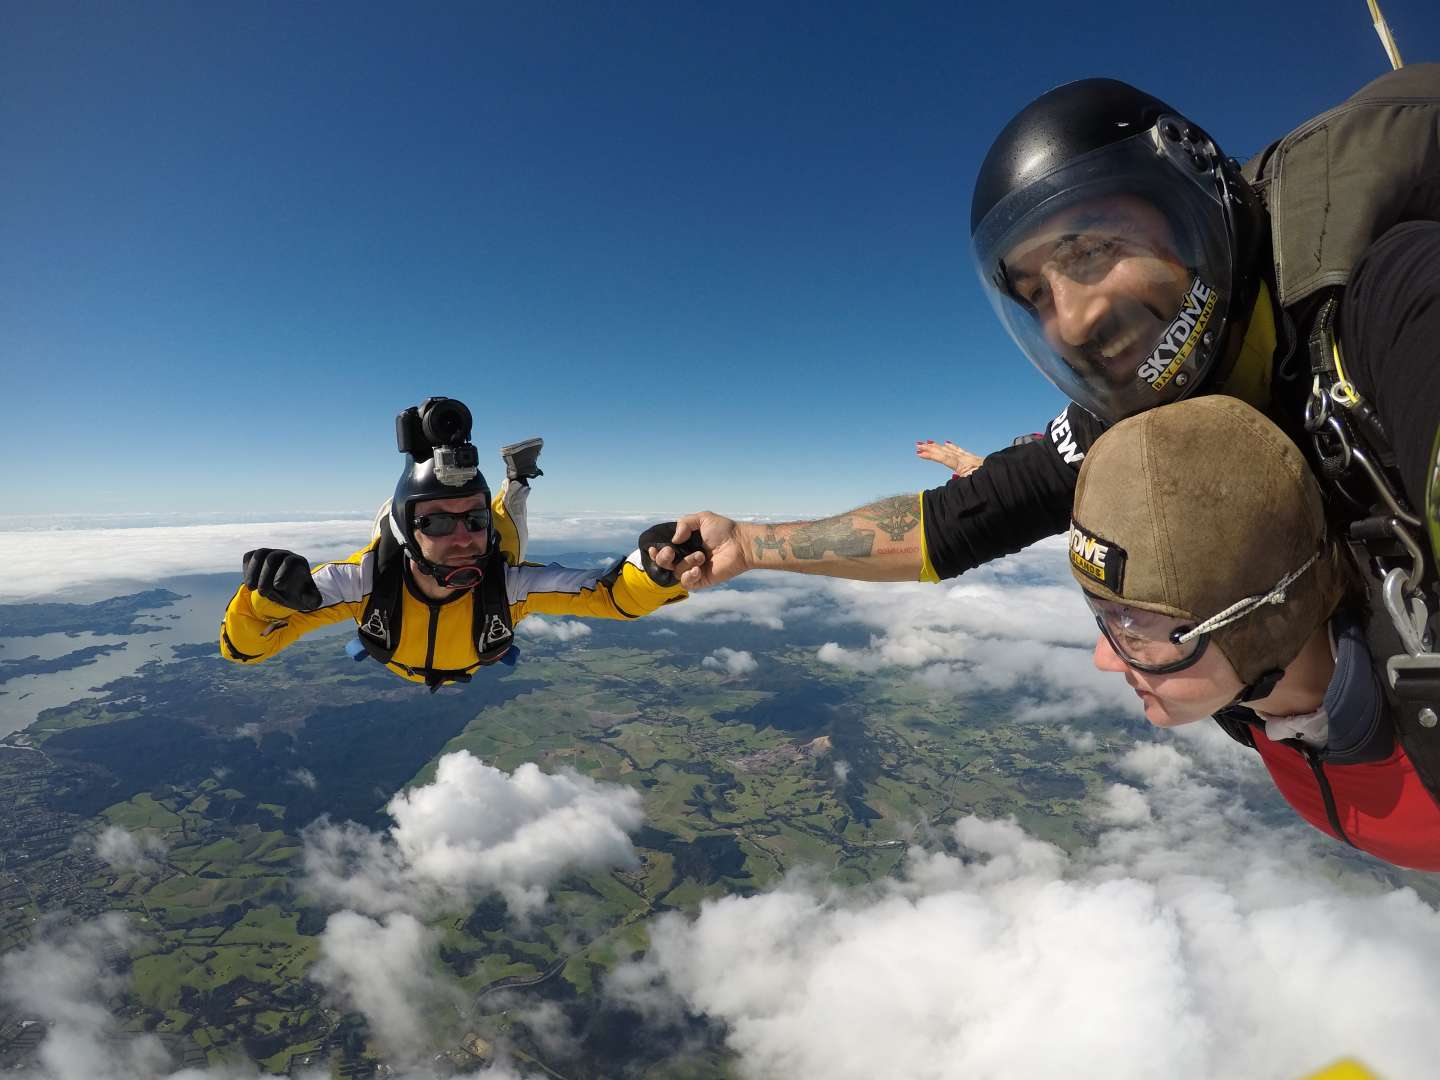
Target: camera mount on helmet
{"x": 439, "y": 429}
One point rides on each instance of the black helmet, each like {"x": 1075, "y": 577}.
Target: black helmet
{"x": 1095, "y": 179}
{"x": 456, "y": 477}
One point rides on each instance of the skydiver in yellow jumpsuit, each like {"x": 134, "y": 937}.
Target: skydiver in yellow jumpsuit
{"x": 436, "y": 594}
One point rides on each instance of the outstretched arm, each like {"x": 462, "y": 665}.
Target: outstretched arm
{"x": 281, "y": 598}
{"x": 958, "y": 460}
{"x": 881, "y": 541}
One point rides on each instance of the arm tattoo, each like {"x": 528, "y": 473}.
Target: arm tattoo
{"x": 845, "y": 536}
{"x": 895, "y": 516}
{"x": 769, "y": 542}
{"x": 838, "y": 534}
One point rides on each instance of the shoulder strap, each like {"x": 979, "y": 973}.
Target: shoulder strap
{"x": 492, "y": 626}
{"x": 379, "y": 630}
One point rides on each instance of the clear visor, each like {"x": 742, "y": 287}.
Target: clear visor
{"x": 1113, "y": 273}
{"x": 1147, "y": 640}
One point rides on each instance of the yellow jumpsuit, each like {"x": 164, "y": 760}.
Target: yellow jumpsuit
{"x": 438, "y": 634}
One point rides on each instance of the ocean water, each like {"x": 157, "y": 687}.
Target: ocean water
{"x": 189, "y": 621}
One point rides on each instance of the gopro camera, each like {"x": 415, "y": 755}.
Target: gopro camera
{"x": 439, "y": 428}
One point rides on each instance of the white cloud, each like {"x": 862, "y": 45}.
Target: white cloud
{"x": 1157, "y": 764}
{"x": 765, "y": 600}
{"x": 538, "y": 626}
{"x": 63, "y": 979}
{"x": 545, "y": 1021}
{"x": 473, "y": 830}
{"x": 127, "y": 852}
{"x": 1123, "y": 805}
{"x": 1188, "y": 941}
{"x": 1083, "y": 741}
{"x": 730, "y": 661}
{"x": 842, "y": 770}
{"x": 305, "y": 778}
{"x": 386, "y": 969}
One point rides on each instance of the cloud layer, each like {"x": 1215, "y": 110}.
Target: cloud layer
{"x": 1187, "y": 942}
{"x": 141, "y": 548}
{"x": 1018, "y": 626}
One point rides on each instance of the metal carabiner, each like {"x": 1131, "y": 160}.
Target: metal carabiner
{"x": 1383, "y": 489}
{"x": 1409, "y": 620}
{"x": 1337, "y": 429}
{"x": 1317, "y": 408}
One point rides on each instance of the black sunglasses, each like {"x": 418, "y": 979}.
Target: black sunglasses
{"x": 440, "y": 523}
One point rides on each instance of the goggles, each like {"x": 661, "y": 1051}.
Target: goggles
{"x": 1157, "y": 643}
{"x": 1148, "y": 640}
{"x": 440, "y": 523}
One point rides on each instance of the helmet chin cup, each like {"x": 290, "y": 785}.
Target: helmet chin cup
{"x": 448, "y": 577}
{"x": 460, "y": 577}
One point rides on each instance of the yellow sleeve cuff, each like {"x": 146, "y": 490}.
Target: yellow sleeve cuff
{"x": 927, "y": 572}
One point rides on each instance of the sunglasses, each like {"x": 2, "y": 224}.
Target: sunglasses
{"x": 440, "y": 523}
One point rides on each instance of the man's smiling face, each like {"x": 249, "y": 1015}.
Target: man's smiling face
{"x": 1103, "y": 280}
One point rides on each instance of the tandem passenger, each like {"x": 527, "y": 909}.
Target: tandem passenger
{"x": 1200, "y": 540}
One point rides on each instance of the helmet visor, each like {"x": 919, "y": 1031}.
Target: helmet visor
{"x": 1113, "y": 273}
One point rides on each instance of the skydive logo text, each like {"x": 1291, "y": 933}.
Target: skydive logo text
{"x": 1096, "y": 559}
{"x": 1180, "y": 336}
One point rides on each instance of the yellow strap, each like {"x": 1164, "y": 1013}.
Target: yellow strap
{"x": 1345, "y": 1069}
{"x": 1343, "y": 392}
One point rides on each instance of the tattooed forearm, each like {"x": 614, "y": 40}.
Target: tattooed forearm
{"x": 816, "y": 539}
{"x": 878, "y": 542}
{"x": 895, "y": 516}
{"x": 771, "y": 541}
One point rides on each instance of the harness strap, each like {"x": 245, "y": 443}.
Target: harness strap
{"x": 379, "y": 631}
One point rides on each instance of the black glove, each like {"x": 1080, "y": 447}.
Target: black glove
{"x": 659, "y": 536}
{"x": 283, "y": 578}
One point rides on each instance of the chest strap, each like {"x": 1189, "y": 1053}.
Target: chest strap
{"x": 379, "y": 632}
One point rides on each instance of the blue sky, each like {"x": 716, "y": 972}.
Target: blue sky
{"x": 715, "y": 253}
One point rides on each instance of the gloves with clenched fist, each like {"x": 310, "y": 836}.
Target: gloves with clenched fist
{"x": 659, "y": 536}
{"x": 283, "y": 578}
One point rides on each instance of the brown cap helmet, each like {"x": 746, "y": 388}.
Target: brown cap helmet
{"x": 1191, "y": 508}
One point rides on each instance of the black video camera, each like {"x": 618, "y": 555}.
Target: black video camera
{"x": 439, "y": 428}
